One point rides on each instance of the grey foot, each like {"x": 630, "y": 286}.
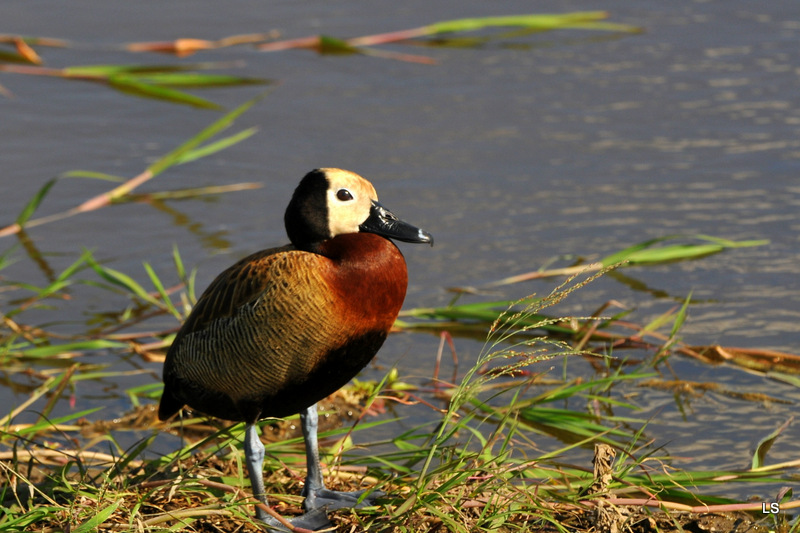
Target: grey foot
{"x": 312, "y": 520}
{"x": 325, "y": 499}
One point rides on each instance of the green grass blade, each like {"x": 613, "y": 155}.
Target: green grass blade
{"x": 45, "y": 352}
{"x": 122, "y": 280}
{"x": 93, "y": 175}
{"x": 731, "y": 244}
{"x": 26, "y": 521}
{"x": 605, "y": 26}
{"x": 676, "y": 252}
{"x": 34, "y": 203}
{"x": 67, "y": 273}
{"x": 162, "y": 291}
{"x": 531, "y": 21}
{"x": 486, "y": 313}
{"x": 658, "y": 322}
{"x": 176, "y": 258}
{"x": 625, "y": 255}
{"x": 766, "y": 443}
{"x": 644, "y": 253}
{"x": 48, "y": 425}
{"x": 216, "y": 146}
{"x": 332, "y": 45}
{"x": 187, "y": 280}
{"x": 58, "y": 389}
{"x": 141, "y": 447}
{"x": 97, "y": 71}
{"x": 569, "y": 390}
{"x": 680, "y": 319}
{"x": 106, "y": 71}
{"x": 177, "y": 154}
{"x": 151, "y": 391}
{"x": 133, "y": 85}
{"x": 6, "y": 259}
{"x": 196, "y": 79}
{"x": 93, "y": 524}
{"x": 52, "y": 289}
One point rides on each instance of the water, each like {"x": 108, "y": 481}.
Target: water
{"x": 513, "y": 154}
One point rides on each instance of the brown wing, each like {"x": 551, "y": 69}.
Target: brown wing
{"x": 260, "y": 327}
{"x": 237, "y": 285}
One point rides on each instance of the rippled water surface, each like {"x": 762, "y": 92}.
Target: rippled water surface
{"x": 515, "y": 153}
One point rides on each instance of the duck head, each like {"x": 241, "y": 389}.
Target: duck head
{"x": 330, "y": 202}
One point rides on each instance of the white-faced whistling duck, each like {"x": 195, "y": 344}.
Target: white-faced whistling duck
{"x": 283, "y": 328}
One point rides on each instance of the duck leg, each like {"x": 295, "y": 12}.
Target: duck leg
{"x": 317, "y": 495}
{"x": 254, "y": 456}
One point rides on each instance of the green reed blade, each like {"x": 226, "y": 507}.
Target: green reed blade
{"x": 62, "y": 381}
{"x": 766, "y": 443}
{"x": 122, "y": 280}
{"x": 586, "y": 20}
{"x": 93, "y": 524}
{"x": 105, "y": 71}
{"x": 216, "y": 146}
{"x": 333, "y": 45}
{"x": 75, "y": 266}
{"x": 133, "y": 85}
{"x": 92, "y": 175}
{"x": 6, "y": 259}
{"x": 217, "y": 126}
{"x": 34, "y": 202}
{"x": 45, "y": 352}
{"x": 196, "y": 79}
{"x": 645, "y": 253}
{"x": 167, "y": 301}
{"x": 125, "y": 460}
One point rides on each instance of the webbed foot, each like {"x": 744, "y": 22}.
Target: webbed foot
{"x": 333, "y": 499}
{"x": 312, "y": 520}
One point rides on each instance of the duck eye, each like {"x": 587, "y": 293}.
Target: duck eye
{"x": 344, "y": 195}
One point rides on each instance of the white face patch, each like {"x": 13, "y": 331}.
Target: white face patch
{"x": 349, "y": 200}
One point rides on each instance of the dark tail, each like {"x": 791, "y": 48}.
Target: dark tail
{"x": 169, "y": 404}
